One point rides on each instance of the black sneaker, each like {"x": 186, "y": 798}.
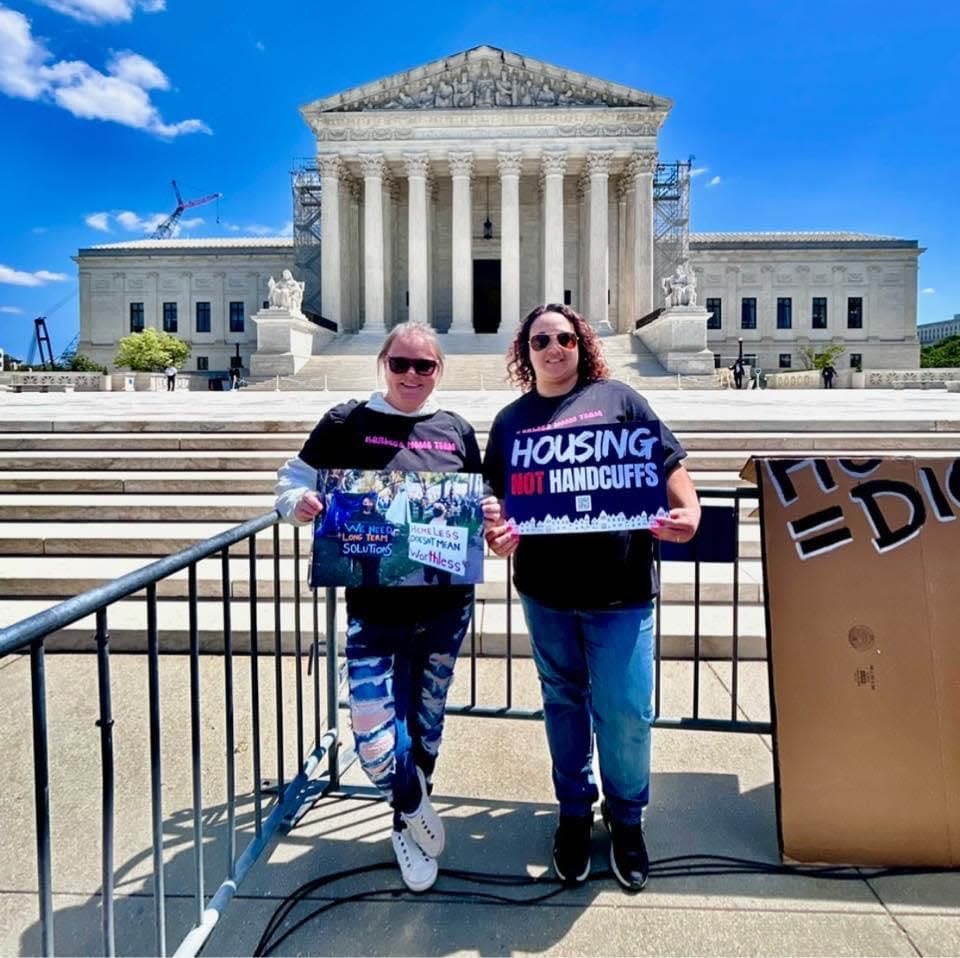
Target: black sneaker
{"x": 628, "y": 853}
{"x": 571, "y": 848}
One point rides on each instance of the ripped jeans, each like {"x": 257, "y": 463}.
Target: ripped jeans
{"x": 399, "y": 677}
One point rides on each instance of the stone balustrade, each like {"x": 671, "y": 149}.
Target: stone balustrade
{"x": 54, "y": 381}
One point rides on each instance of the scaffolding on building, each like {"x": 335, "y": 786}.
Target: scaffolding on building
{"x": 671, "y": 218}
{"x": 305, "y": 183}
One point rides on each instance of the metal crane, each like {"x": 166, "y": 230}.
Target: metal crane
{"x": 165, "y": 229}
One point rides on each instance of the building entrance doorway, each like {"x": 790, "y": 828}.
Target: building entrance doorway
{"x": 486, "y": 295}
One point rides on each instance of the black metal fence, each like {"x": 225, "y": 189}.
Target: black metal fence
{"x": 319, "y": 762}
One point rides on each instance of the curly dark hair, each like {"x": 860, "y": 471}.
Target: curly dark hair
{"x": 590, "y": 365}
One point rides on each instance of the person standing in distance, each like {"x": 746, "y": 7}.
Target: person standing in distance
{"x": 402, "y": 642}
{"x": 591, "y": 624}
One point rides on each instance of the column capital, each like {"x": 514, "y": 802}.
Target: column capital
{"x": 509, "y": 161}
{"x": 373, "y": 164}
{"x": 554, "y": 162}
{"x": 329, "y": 164}
{"x": 598, "y": 162}
{"x": 417, "y": 164}
{"x": 639, "y": 163}
{"x": 583, "y": 185}
{"x": 461, "y": 163}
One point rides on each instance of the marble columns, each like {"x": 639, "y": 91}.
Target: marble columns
{"x": 461, "y": 169}
{"x": 639, "y": 257}
{"x": 508, "y": 163}
{"x": 418, "y": 169}
{"x": 374, "y": 260}
{"x": 598, "y": 169}
{"x": 330, "y": 266}
{"x": 554, "y": 167}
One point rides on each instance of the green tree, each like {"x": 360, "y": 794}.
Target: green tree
{"x": 151, "y": 351}
{"x": 84, "y": 364}
{"x": 942, "y": 355}
{"x": 817, "y": 359}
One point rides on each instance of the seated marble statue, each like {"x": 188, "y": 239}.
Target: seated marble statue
{"x": 287, "y": 294}
{"x": 679, "y": 289}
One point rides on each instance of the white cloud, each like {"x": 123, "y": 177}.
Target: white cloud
{"x": 12, "y": 310}
{"x": 714, "y": 181}
{"x": 259, "y": 229}
{"x": 103, "y": 11}
{"x": 134, "y": 223}
{"x": 98, "y": 221}
{"x": 120, "y": 95}
{"x": 928, "y": 291}
{"x": 16, "y": 277}
{"x": 699, "y": 170}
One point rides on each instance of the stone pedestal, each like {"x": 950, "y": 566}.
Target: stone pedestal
{"x": 678, "y": 338}
{"x": 285, "y": 342}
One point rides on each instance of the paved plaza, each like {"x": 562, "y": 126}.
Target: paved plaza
{"x": 713, "y": 793}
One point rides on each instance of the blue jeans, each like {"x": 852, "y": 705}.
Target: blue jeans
{"x": 399, "y": 677}
{"x": 596, "y": 675}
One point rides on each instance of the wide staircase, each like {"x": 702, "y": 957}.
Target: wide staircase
{"x": 79, "y": 508}
{"x": 473, "y": 361}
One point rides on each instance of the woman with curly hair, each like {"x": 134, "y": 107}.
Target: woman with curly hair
{"x": 588, "y": 598}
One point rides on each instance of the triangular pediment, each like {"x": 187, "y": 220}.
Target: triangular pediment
{"x": 487, "y": 78}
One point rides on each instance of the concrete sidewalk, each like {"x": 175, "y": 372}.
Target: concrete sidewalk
{"x": 712, "y": 794}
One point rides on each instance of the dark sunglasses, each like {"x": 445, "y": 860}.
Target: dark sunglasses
{"x": 422, "y": 367}
{"x": 564, "y": 341}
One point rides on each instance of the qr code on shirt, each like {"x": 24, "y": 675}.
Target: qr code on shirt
{"x": 583, "y": 503}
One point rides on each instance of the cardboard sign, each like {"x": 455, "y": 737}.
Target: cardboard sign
{"x": 602, "y": 478}
{"x": 390, "y": 528}
{"x": 860, "y": 573}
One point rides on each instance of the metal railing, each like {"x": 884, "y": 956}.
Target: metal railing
{"x": 276, "y": 804}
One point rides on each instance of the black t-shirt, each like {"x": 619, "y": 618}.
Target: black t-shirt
{"x": 583, "y": 570}
{"x": 352, "y": 436}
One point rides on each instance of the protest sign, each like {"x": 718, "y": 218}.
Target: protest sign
{"x": 859, "y": 571}
{"x": 395, "y": 528}
{"x": 602, "y": 478}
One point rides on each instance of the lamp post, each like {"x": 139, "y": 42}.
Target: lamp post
{"x": 740, "y": 349}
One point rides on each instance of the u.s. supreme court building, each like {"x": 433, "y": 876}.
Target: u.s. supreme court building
{"x": 466, "y": 191}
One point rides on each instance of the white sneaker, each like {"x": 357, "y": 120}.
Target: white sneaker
{"x": 418, "y": 869}
{"x": 425, "y": 826}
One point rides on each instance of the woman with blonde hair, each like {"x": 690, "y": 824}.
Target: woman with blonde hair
{"x": 402, "y": 642}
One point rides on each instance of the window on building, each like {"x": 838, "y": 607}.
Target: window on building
{"x": 784, "y": 312}
{"x": 819, "y": 312}
{"x": 748, "y": 312}
{"x": 169, "y": 317}
{"x": 203, "y": 364}
{"x": 203, "y": 318}
{"x": 786, "y": 362}
{"x": 854, "y": 312}
{"x": 136, "y": 317}
{"x": 715, "y": 309}
{"x": 717, "y": 360}
{"x": 567, "y": 297}
{"x": 856, "y": 359}
{"x": 236, "y": 317}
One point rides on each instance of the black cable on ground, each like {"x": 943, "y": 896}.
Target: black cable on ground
{"x": 676, "y": 866}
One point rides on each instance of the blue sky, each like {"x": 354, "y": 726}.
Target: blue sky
{"x": 801, "y": 115}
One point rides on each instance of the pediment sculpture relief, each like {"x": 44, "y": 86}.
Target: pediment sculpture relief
{"x": 485, "y": 85}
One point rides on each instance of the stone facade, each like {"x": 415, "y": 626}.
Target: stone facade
{"x": 863, "y": 288}
{"x": 466, "y": 191}
{"x": 930, "y": 333}
{"x": 124, "y": 283}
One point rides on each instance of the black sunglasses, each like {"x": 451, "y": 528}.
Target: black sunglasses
{"x": 422, "y": 367}
{"x": 564, "y": 341}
